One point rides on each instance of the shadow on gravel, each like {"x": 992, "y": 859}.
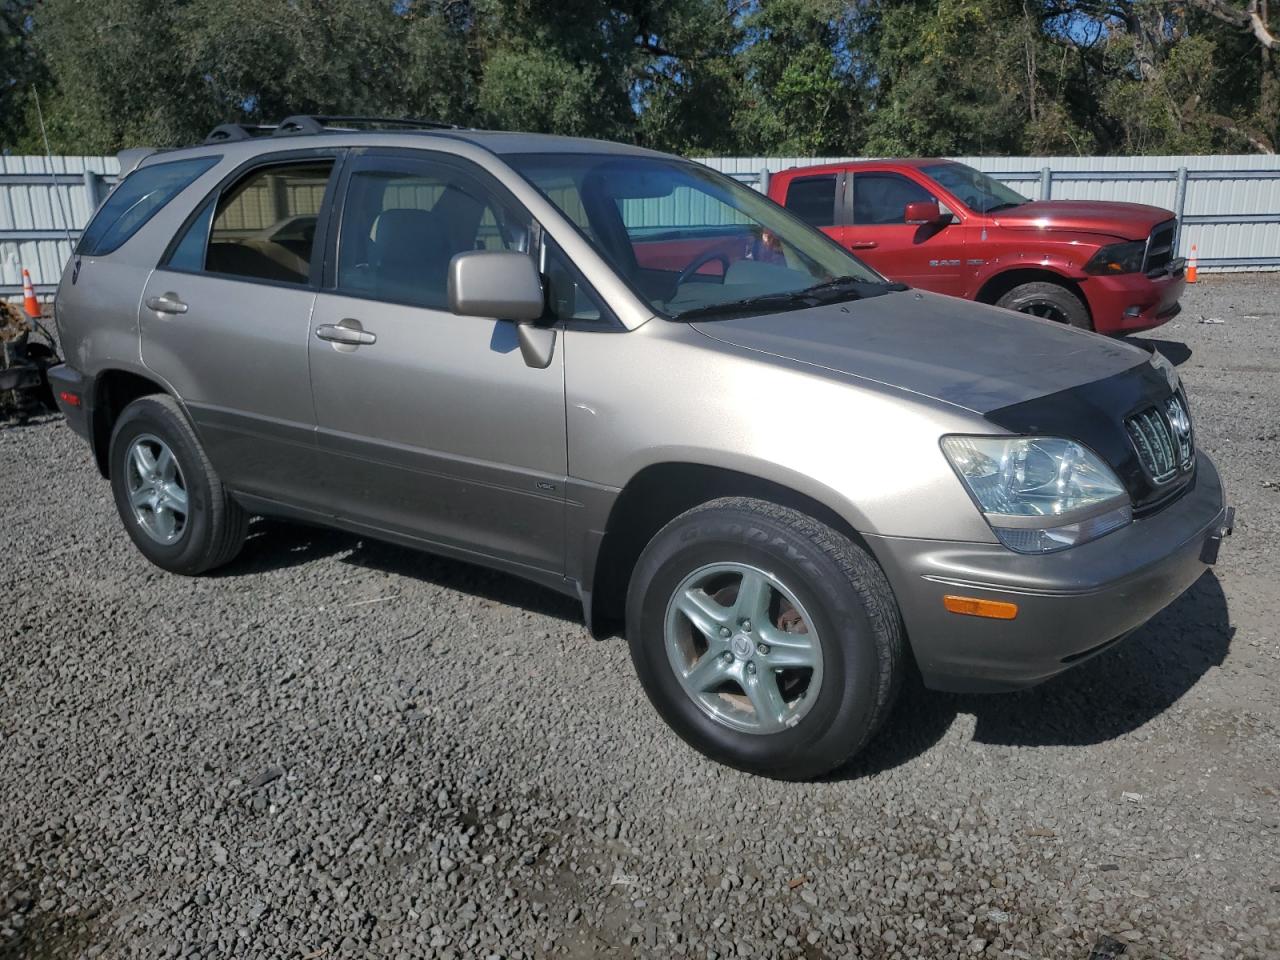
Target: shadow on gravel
{"x": 1174, "y": 351}
{"x": 1106, "y": 697}
{"x": 279, "y": 544}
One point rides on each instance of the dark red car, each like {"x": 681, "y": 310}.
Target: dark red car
{"x": 943, "y": 226}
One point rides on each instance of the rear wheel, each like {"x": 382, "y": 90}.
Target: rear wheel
{"x": 767, "y": 640}
{"x": 169, "y": 497}
{"x": 1050, "y": 301}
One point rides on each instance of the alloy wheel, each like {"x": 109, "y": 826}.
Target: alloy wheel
{"x": 1045, "y": 309}
{"x": 157, "y": 491}
{"x": 743, "y": 648}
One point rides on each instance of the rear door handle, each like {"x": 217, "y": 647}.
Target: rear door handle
{"x": 166, "y": 303}
{"x": 863, "y": 245}
{"x": 348, "y": 333}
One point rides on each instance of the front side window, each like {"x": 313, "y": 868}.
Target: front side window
{"x": 404, "y": 220}
{"x": 135, "y": 200}
{"x": 974, "y": 189}
{"x": 882, "y": 198}
{"x": 264, "y": 226}
{"x": 813, "y": 199}
{"x": 692, "y": 242}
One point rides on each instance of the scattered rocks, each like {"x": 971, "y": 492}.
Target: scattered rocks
{"x": 469, "y": 775}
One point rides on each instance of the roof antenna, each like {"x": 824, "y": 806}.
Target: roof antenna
{"x": 66, "y": 220}
{"x": 53, "y": 177}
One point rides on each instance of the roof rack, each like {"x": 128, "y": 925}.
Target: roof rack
{"x": 312, "y": 123}
{"x": 301, "y": 123}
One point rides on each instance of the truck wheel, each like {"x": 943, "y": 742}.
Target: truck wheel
{"x": 767, "y": 640}
{"x": 1050, "y": 301}
{"x": 170, "y": 498}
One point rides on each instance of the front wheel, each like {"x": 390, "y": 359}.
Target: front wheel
{"x": 1049, "y": 301}
{"x": 767, "y": 640}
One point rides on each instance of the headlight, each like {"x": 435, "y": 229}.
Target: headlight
{"x": 1118, "y": 258}
{"x": 1040, "y": 494}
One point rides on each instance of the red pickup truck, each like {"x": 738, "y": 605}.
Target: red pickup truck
{"x": 943, "y": 226}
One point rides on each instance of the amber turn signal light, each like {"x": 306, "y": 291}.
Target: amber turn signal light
{"x": 975, "y": 607}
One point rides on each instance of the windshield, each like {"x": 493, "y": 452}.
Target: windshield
{"x": 976, "y": 190}
{"x": 691, "y": 242}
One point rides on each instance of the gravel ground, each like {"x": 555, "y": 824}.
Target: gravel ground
{"x": 341, "y": 748}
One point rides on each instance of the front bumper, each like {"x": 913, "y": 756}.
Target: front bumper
{"x": 1133, "y": 301}
{"x": 1071, "y": 604}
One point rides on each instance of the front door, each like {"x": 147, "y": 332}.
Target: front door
{"x": 432, "y": 425}
{"x": 928, "y": 256}
{"x": 225, "y": 319}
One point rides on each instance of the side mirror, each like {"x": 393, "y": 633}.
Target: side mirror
{"x": 495, "y": 283}
{"x": 922, "y": 211}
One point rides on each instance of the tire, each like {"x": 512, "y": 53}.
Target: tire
{"x": 833, "y": 586}
{"x": 208, "y": 527}
{"x": 1051, "y": 301}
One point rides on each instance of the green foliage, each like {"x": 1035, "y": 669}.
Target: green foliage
{"x": 804, "y": 77}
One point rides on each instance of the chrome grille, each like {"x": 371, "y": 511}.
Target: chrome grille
{"x": 1162, "y": 437}
{"x": 1160, "y": 247}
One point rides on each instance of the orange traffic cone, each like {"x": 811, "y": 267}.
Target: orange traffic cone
{"x": 1191, "y": 265}
{"x": 29, "y": 302}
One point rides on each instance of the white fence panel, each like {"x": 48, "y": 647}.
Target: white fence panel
{"x": 1229, "y": 205}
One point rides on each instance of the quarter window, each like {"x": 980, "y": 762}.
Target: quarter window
{"x": 882, "y": 198}
{"x": 264, "y": 227}
{"x": 402, "y": 223}
{"x": 138, "y": 198}
{"x": 813, "y": 199}
{"x": 568, "y": 296}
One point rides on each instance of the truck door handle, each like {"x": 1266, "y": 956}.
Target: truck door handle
{"x": 166, "y": 303}
{"x": 863, "y": 244}
{"x": 348, "y": 333}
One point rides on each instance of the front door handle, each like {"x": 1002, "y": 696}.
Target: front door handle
{"x": 346, "y": 333}
{"x": 166, "y": 303}
{"x": 863, "y": 245}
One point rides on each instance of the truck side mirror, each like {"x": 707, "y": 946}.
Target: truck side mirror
{"x": 922, "y": 211}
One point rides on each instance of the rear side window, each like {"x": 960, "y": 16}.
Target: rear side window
{"x": 813, "y": 199}
{"x": 264, "y": 227}
{"x": 138, "y": 198}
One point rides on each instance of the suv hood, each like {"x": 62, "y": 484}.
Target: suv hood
{"x": 1128, "y": 221}
{"x": 963, "y": 353}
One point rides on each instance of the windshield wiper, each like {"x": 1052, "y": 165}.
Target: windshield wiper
{"x": 758, "y": 304}
{"x": 1005, "y": 206}
{"x": 829, "y": 291}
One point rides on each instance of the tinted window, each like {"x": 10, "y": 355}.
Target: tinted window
{"x": 403, "y": 221}
{"x": 813, "y": 199}
{"x": 137, "y": 199}
{"x": 189, "y": 253}
{"x": 264, "y": 226}
{"x": 883, "y": 197}
{"x": 568, "y": 296}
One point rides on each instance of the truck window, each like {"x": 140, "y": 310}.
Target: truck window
{"x": 813, "y": 199}
{"x": 880, "y": 198}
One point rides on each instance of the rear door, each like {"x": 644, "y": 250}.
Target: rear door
{"x": 225, "y": 317}
{"x": 433, "y": 427}
{"x": 928, "y": 256}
